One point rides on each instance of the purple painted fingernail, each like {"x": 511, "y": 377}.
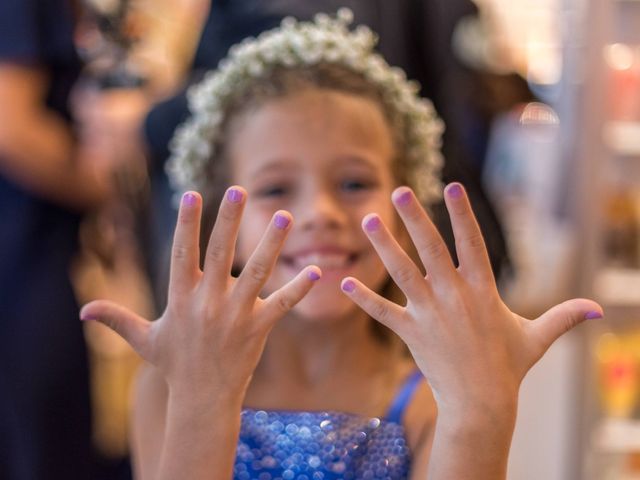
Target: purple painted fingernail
{"x": 372, "y": 224}
{"x": 455, "y": 190}
{"x": 592, "y": 315}
{"x": 281, "y": 221}
{"x": 234, "y": 196}
{"x": 348, "y": 286}
{"x": 403, "y": 198}
{"x": 313, "y": 275}
{"x": 87, "y": 318}
{"x": 189, "y": 199}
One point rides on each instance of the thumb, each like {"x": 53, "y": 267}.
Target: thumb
{"x": 563, "y": 317}
{"x": 129, "y": 325}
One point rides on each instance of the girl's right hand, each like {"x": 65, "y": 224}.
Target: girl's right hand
{"x": 213, "y": 331}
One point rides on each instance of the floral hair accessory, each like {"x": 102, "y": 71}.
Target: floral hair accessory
{"x": 296, "y": 44}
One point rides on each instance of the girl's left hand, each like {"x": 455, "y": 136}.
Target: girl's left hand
{"x": 473, "y": 350}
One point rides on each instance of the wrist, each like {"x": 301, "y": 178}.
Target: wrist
{"x": 472, "y": 421}
{"x": 95, "y": 186}
{"x": 201, "y": 435}
{"x": 197, "y": 397}
{"x": 471, "y": 448}
{"x": 500, "y": 411}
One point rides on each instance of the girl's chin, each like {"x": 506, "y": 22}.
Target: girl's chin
{"x": 314, "y": 313}
{"x": 325, "y": 302}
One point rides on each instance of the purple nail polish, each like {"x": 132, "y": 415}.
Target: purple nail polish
{"x": 592, "y": 315}
{"x": 348, "y": 286}
{"x": 234, "y": 196}
{"x": 372, "y": 224}
{"x": 189, "y": 199}
{"x": 281, "y": 221}
{"x": 87, "y": 318}
{"x": 313, "y": 275}
{"x": 454, "y": 190}
{"x": 403, "y": 198}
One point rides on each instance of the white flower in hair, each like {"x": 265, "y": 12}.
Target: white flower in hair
{"x": 300, "y": 44}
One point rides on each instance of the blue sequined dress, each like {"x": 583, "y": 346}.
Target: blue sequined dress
{"x": 283, "y": 445}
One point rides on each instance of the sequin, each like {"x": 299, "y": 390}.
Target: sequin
{"x": 261, "y": 416}
{"x": 291, "y": 429}
{"x": 319, "y": 446}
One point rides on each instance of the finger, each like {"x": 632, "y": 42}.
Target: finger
{"x": 563, "y": 317}
{"x": 219, "y": 256}
{"x": 399, "y": 265}
{"x": 284, "y": 299}
{"x": 130, "y": 326}
{"x": 470, "y": 246}
{"x": 429, "y": 244}
{"x": 259, "y": 266}
{"x": 377, "y": 307}
{"x": 185, "y": 253}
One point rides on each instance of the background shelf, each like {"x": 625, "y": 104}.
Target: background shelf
{"x": 617, "y": 436}
{"x": 618, "y": 287}
{"x": 623, "y": 138}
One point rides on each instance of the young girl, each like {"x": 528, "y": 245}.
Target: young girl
{"x": 281, "y": 372}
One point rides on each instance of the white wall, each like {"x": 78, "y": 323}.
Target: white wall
{"x": 546, "y": 438}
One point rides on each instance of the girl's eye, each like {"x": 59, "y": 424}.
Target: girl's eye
{"x": 355, "y": 185}
{"x": 273, "y": 191}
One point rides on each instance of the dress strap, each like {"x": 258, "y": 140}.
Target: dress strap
{"x": 403, "y": 397}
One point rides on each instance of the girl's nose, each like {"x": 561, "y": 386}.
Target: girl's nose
{"x": 320, "y": 209}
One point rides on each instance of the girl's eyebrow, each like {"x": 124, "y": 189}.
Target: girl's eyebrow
{"x": 357, "y": 160}
{"x": 275, "y": 164}
{"x": 285, "y": 164}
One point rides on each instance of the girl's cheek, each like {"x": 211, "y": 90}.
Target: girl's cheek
{"x": 252, "y": 228}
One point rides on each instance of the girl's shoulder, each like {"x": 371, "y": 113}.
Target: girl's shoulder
{"x": 414, "y": 406}
{"x": 420, "y": 417}
{"x": 419, "y": 413}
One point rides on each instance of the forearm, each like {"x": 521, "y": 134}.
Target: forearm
{"x": 38, "y": 153}
{"x": 201, "y": 436}
{"x": 472, "y": 446}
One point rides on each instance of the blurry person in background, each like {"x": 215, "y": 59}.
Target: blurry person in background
{"x": 47, "y": 182}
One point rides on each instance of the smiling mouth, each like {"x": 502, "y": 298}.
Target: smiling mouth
{"x": 326, "y": 261}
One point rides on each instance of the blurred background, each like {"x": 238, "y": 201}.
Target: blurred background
{"x": 542, "y": 104}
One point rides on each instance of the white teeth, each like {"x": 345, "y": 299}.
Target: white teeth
{"x": 322, "y": 260}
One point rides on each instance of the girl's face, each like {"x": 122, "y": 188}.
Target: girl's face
{"x": 325, "y": 157}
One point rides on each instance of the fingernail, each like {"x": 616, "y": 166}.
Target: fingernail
{"x": 234, "y": 195}
{"x": 592, "y": 315}
{"x": 281, "y": 221}
{"x": 348, "y": 286}
{"x": 454, "y": 190}
{"x": 403, "y": 198}
{"x": 313, "y": 275}
{"x": 87, "y": 318}
{"x": 189, "y": 199}
{"x": 372, "y": 224}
